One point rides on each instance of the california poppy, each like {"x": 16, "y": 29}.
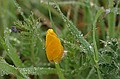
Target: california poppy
{"x": 54, "y": 48}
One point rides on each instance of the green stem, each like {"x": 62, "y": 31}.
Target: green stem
{"x": 111, "y": 24}
{"x": 96, "y": 57}
{"x": 112, "y": 19}
{"x": 32, "y": 50}
{"x": 98, "y": 71}
{"x": 59, "y": 72}
{"x": 75, "y": 15}
{"x": 19, "y": 9}
{"x": 50, "y": 15}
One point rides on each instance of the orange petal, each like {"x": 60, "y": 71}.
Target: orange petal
{"x": 54, "y": 49}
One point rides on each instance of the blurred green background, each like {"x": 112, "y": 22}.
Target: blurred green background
{"x": 23, "y": 26}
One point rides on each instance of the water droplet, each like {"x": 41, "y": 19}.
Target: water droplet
{"x": 41, "y": 1}
{"x": 2, "y": 73}
{"x": 19, "y": 7}
{"x": 34, "y": 27}
{"x": 117, "y": 13}
{"x": 109, "y": 43}
{"x": 105, "y": 45}
{"x": 91, "y": 3}
{"x": 65, "y": 21}
{"x": 71, "y": 32}
{"x": 81, "y": 34}
{"x": 43, "y": 48}
{"x": 55, "y": 7}
{"x": 8, "y": 49}
{"x": 90, "y": 47}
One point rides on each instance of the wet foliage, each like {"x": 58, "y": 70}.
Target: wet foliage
{"x": 88, "y": 30}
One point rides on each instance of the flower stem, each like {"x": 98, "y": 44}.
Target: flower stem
{"x": 96, "y": 56}
{"x": 59, "y": 72}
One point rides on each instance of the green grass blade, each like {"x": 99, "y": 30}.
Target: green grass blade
{"x": 6, "y": 69}
{"x": 19, "y": 8}
{"x": 11, "y": 51}
{"x": 75, "y": 31}
{"x": 52, "y": 23}
{"x": 111, "y": 20}
{"x": 111, "y": 24}
{"x": 94, "y": 41}
{"x": 37, "y": 71}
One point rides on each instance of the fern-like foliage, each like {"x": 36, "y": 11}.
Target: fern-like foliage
{"x": 31, "y": 41}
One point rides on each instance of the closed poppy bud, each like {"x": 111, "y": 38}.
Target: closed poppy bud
{"x": 54, "y": 48}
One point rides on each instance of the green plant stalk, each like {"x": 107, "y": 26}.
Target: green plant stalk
{"x": 59, "y": 72}
{"x": 27, "y": 71}
{"x": 9, "y": 69}
{"x": 111, "y": 24}
{"x": 94, "y": 41}
{"x": 19, "y": 9}
{"x": 118, "y": 3}
{"x": 103, "y": 29}
{"x": 111, "y": 3}
{"x": 75, "y": 15}
{"x": 11, "y": 52}
{"x": 98, "y": 71}
{"x": 71, "y": 26}
{"x": 32, "y": 51}
{"x": 68, "y": 3}
{"x": 91, "y": 72}
{"x": 53, "y": 25}
{"x": 111, "y": 20}
{"x": 94, "y": 28}
{"x": 88, "y": 19}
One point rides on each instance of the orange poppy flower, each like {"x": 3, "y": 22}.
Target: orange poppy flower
{"x": 54, "y": 48}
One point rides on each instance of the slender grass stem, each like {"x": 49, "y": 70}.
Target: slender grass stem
{"x": 111, "y": 23}
{"x": 59, "y": 72}
{"x": 96, "y": 59}
{"x": 52, "y": 23}
{"x": 103, "y": 29}
{"x": 112, "y": 19}
{"x": 98, "y": 71}
{"x": 19, "y": 9}
{"x": 75, "y": 14}
{"x": 32, "y": 53}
